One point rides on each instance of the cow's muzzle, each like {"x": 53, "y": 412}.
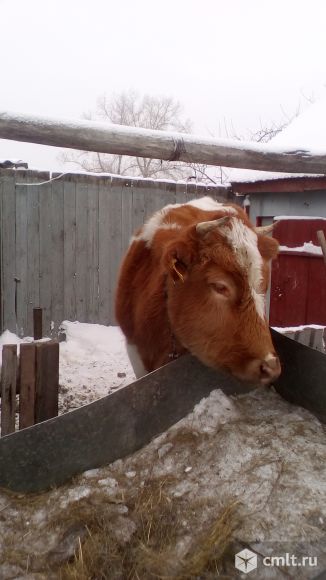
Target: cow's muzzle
{"x": 263, "y": 371}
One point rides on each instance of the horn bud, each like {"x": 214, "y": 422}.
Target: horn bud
{"x": 204, "y": 228}
{"x": 266, "y": 229}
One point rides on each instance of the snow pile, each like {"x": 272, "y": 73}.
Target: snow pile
{"x": 255, "y": 452}
{"x": 93, "y": 363}
{"x": 308, "y": 248}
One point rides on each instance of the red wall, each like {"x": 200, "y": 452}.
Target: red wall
{"x": 298, "y": 286}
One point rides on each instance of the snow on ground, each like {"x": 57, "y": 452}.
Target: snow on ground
{"x": 256, "y": 452}
{"x": 93, "y": 363}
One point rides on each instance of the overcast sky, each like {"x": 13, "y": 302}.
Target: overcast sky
{"x": 230, "y": 63}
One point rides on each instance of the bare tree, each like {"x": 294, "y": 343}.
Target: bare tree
{"x": 131, "y": 109}
{"x": 263, "y": 134}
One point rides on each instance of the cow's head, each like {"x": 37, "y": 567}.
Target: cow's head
{"x": 218, "y": 274}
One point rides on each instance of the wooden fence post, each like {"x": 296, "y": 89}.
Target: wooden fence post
{"x": 37, "y": 323}
{"x": 322, "y": 242}
{"x": 8, "y": 388}
{"x": 47, "y": 380}
{"x": 27, "y": 372}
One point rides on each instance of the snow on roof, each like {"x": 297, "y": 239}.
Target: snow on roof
{"x": 297, "y": 217}
{"x": 306, "y": 131}
{"x": 307, "y": 248}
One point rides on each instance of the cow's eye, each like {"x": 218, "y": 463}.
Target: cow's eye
{"x": 221, "y": 288}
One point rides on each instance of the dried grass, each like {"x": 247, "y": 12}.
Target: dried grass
{"x": 156, "y": 548}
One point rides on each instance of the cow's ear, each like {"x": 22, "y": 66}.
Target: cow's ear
{"x": 268, "y": 247}
{"x": 177, "y": 260}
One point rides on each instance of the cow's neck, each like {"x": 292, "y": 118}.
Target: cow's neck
{"x": 176, "y": 349}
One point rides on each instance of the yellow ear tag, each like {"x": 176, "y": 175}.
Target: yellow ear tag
{"x": 177, "y": 271}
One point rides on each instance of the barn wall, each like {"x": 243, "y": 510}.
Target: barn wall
{"x": 62, "y": 242}
{"x": 307, "y": 203}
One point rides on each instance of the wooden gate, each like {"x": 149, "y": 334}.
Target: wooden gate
{"x": 298, "y": 286}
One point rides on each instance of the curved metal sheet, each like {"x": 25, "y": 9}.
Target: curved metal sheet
{"x": 52, "y": 452}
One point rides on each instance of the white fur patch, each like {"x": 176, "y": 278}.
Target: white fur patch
{"x": 243, "y": 241}
{"x": 208, "y": 204}
{"x": 154, "y": 223}
{"x": 136, "y": 362}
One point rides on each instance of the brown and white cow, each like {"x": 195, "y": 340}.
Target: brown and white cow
{"x": 194, "y": 280}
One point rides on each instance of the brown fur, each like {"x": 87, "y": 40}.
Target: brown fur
{"x": 167, "y": 302}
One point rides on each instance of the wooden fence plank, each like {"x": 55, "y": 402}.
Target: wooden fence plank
{"x": 8, "y": 257}
{"x": 181, "y": 193}
{"x": 192, "y": 191}
{"x": 1, "y": 276}
{"x": 69, "y": 257}
{"x": 153, "y": 197}
{"x": 105, "y": 293}
{"x": 33, "y": 249}
{"x": 47, "y": 380}
{"x": 81, "y": 250}
{"x": 8, "y": 388}
{"x": 168, "y": 195}
{"x": 56, "y": 258}
{"x": 114, "y": 249}
{"x": 316, "y": 339}
{"x": 37, "y": 323}
{"x": 45, "y": 197}
{"x": 126, "y": 214}
{"x": 92, "y": 251}
{"x": 138, "y": 204}
{"x": 21, "y": 258}
{"x": 27, "y": 370}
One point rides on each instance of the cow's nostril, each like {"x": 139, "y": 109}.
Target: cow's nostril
{"x": 265, "y": 371}
{"x": 270, "y": 369}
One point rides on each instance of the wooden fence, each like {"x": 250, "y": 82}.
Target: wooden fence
{"x": 33, "y": 379}
{"x": 62, "y": 242}
{"x": 313, "y": 335}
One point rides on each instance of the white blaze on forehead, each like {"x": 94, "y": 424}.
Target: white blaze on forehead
{"x": 208, "y": 204}
{"x": 154, "y": 223}
{"x": 243, "y": 241}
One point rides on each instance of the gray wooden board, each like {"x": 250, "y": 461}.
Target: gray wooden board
{"x": 1, "y": 269}
{"x": 303, "y": 377}
{"x": 21, "y": 259}
{"x": 105, "y": 302}
{"x": 8, "y": 258}
{"x": 57, "y": 253}
{"x": 114, "y": 249}
{"x": 126, "y": 215}
{"x": 69, "y": 251}
{"x": 92, "y": 298}
{"x": 52, "y": 452}
{"x": 81, "y": 250}
{"x": 45, "y": 240}
{"x": 33, "y": 253}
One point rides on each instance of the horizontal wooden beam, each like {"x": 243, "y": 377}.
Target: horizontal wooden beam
{"x": 118, "y": 139}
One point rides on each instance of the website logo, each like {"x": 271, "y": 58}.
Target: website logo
{"x": 246, "y": 561}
